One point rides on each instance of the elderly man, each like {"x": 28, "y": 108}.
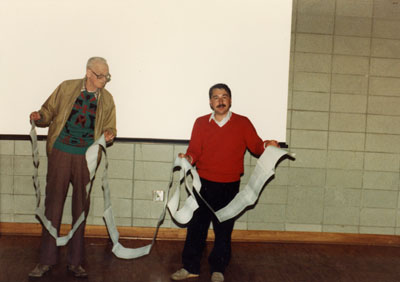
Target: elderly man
{"x": 77, "y": 112}
{"x": 217, "y": 146}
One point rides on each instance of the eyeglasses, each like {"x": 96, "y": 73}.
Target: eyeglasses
{"x": 101, "y": 76}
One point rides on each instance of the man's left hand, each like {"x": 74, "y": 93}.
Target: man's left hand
{"x": 109, "y": 136}
{"x": 271, "y": 143}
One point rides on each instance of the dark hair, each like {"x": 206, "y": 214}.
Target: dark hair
{"x": 220, "y": 86}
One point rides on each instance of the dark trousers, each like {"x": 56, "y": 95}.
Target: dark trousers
{"x": 63, "y": 169}
{"x": 218, "y": 195}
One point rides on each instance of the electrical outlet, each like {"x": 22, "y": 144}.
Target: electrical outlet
{"x": 158, "y": 195}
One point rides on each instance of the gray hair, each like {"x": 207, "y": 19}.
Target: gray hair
{"x": 95, "y": 60}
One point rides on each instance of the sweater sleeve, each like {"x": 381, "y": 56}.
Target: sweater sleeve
{"x": 195, "y": 144}
{"x": 253, "y": 142}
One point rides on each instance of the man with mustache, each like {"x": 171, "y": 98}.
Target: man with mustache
{"x": 217, "y": 147}
{"x": 77, "y": 112}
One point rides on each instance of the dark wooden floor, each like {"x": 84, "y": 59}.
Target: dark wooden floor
{"x": 272, "y": 262}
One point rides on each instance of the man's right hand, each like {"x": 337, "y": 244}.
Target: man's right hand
{"x": 187, "y": 157}
{"x": 35, "y": 116}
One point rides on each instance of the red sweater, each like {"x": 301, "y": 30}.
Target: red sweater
{"x": 218, "y": 152}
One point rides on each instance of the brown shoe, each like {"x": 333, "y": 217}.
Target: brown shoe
{"x": 39, "y": 270}
{"x": 77, "y": 270}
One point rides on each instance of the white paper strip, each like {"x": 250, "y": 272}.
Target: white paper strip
{"x": 263, "y": 171}
{"x": 92, "y": 154}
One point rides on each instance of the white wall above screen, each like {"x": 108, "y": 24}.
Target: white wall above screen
{"x": 163, "y": 56}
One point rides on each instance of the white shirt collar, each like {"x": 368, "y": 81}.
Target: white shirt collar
{"x": 223, "y": 121}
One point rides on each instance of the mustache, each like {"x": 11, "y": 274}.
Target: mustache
{"x": 221, "y": 106}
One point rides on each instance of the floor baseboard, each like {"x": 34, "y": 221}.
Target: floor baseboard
{"x": 144, "y": 233}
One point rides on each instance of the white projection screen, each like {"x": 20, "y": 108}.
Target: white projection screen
{"x": 163, "y": 55}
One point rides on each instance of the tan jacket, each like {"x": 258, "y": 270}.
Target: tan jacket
{"x": 57, "y": 108}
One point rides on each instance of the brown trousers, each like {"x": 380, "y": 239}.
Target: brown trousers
{"x": 63, "y": 169}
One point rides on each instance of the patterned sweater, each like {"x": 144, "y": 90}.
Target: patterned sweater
{"x": 78, "y": 132}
